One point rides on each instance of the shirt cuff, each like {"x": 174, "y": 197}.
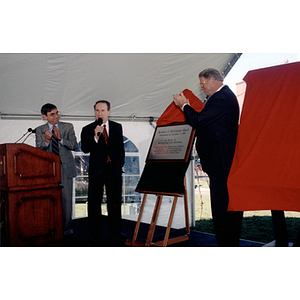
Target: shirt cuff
{"x": 184, "y": 106}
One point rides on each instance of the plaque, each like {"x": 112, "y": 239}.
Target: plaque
{"x": 171, "y": 143}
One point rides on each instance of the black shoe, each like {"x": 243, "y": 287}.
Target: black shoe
{"x": 70, "y": 241}
{"x": 97, "y": 243}
{"x": 118, "y": 240}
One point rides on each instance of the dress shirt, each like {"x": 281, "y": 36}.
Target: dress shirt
{"x": 50, "y": 129}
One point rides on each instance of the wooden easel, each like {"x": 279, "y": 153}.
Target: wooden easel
{"x": 166, "y": 165}
{"x": 155, "y": 215}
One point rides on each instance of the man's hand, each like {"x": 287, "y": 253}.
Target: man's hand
{"x": 57, "y": 133}
{"x": 180, "y": 100}
{"x": 98, "y": 129}
{"x": 48, "y": 136}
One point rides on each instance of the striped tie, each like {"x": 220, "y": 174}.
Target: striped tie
{"x": 55, "y": 147}
{"x": 106, "y": 140}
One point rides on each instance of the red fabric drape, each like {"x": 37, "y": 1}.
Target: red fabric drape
{"x": 174, "y": 114}
{"x": 265, "y": 173}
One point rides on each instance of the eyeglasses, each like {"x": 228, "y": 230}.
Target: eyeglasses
{"x": 202, "y": 83}
{"x": 54, "y": 114}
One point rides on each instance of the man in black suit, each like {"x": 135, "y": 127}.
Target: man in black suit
{"x": 103, "y": 139}
{"x": 216, "y": 130}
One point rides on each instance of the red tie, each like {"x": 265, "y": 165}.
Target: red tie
{"x": 106, "y": 140}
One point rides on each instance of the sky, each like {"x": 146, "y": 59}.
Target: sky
{"x": 252, "y": 61}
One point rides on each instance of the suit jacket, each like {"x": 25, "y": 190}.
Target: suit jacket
{"x": 216, "y": 130}
{"x": 65, "y": 151}
{"x": 99, "y": 151}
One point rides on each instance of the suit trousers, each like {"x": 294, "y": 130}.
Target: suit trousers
{"x": 227, "y": 224}
{"x": 67, "y": 202}
{"x": 280, "y": 229}
{"x": 111, "y": 179}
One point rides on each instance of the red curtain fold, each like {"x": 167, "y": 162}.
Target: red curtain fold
{"x": 265, "y": 173}
{"x": 174, "y": 114}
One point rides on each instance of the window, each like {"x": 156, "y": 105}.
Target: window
{"x": 131, "y": 200}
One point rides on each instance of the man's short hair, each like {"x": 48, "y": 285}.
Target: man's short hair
{"x": 210, "y": 72}
{"x": 103, "y": 101}
{"x": 47, "y": 108}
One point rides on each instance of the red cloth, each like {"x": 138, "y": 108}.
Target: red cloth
{"x": 265, "y": 172}
{"x": 174, "y": 114}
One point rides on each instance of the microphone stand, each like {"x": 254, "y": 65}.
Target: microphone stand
{"x": 28, "y": 130}
{"x": 33, "y": 131}
{"x": 21, "y": 137}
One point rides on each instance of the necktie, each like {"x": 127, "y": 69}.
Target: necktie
{"x": 55, "y": 147}
{"x": 106, "y": 139}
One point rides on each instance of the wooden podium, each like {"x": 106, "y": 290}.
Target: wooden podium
{"x": 31, "y": 210}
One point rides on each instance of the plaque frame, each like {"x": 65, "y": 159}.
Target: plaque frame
{"x": 171, "y": 143}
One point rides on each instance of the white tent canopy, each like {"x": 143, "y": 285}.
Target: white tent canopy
{"x": 139, "y": 86}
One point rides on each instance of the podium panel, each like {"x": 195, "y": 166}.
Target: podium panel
{"x": 31, "y": 208}
{"x": 23, "y": 166}
{"x": 33, "y": 217}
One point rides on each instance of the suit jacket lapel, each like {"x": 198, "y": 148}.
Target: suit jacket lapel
{"x": 110, "y": 133}
{"x": 62, "y": 129}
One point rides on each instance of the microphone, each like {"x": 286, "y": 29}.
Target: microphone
{"x": 31, "y": 132}
{"x": 99, "y": 122}
{"x": 28, "y": 130}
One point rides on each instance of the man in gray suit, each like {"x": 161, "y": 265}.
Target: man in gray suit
{"x": 63, "y": 135}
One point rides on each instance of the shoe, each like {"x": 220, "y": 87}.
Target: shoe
{"x": 70, "y": 241}
{"x": 119, "y": 240}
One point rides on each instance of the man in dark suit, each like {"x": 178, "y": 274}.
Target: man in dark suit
{"x": 66, "y": 142}
{"x": 216, "y": 130}
{"x": 103, "y": 139}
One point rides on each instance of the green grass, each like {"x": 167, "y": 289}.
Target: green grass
{"x": 256, "y": 226}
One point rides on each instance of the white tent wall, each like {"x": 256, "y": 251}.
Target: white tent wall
{"x": 140, "y": 134}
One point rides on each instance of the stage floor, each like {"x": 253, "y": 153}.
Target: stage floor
{"x": 196, "y": 239}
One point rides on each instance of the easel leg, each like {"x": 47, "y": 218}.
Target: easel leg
{"x": 186, "y": 210}
{"x": 137, "y": 227}
{"x": 154, "y": 220}
{"x": 165, "y": 243}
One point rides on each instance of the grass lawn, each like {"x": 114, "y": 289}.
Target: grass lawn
{"x": 257, "y": 225}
